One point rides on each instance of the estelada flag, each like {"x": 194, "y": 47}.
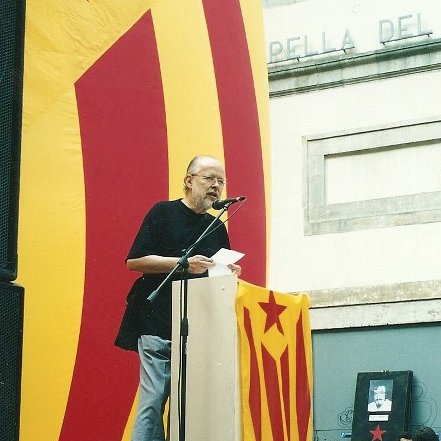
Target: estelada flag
{"x": 275, "y": 364}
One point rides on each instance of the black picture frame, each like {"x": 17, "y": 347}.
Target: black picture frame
{"x": 382, "y": 405}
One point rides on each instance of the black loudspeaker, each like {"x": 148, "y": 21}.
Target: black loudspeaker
{"x": 11, "y": 338}
{"x": 12, "y": 13}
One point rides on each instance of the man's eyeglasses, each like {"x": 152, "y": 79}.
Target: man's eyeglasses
{"x": 212, "y": 179}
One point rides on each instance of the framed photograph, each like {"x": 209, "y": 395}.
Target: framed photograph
{"x": 381, "y": 405}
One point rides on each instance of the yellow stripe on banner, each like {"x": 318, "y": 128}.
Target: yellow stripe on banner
{"x": 253, "y": 20}
{"x": 193, "y": 119}
{"x": 52, "y": 255}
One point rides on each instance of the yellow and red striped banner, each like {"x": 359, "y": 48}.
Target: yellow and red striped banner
{"x": 276, "y": 364}
{"x": 118, "y": 97}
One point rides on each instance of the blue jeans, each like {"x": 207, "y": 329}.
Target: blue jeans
{"x": 154, "y": 388}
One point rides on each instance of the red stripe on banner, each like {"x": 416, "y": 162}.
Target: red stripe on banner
{"x": 254, "y": 396}
{"x": 303, "y": 396}
{"x": 284, "y": 368}
{"x": 241, "y": 133}
{"x": 273, "y": 394}
{"x": 124, "y": 140}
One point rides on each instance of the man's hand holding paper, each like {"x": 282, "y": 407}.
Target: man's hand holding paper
{"x": 225, "y": 263}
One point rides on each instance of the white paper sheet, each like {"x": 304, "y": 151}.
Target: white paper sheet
{"x": 222, "y": 259}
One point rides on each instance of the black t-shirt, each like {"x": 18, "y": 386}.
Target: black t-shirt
{"x": 168, "y": 229}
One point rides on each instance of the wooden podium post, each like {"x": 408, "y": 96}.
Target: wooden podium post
{"x": 213, "y": 394}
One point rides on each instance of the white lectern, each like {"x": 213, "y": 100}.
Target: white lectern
{"x": 213, "y": 395}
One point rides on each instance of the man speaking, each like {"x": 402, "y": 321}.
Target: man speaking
{"x": 168, "y": 228}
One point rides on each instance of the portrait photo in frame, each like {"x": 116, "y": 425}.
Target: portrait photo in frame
{"x": 382, "y": 405}
{"x": 380, "y": 395}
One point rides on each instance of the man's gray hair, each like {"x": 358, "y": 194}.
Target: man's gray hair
{"x": 194, "y": 163}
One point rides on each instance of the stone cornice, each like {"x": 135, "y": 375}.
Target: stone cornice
{"x": 292, "y": 76}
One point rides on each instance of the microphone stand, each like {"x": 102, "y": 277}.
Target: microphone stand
{"x": 183, "y": 265}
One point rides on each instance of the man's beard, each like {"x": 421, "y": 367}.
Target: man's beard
{"x": 203, "y": 204}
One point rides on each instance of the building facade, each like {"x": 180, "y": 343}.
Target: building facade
{"x": 355, "y": 102}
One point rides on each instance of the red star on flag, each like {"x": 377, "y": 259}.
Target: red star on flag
{"x": 273, "y": 311}
{"x": 377, "y": 433}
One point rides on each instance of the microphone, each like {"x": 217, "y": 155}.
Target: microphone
{"x": 220, "y": 203}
